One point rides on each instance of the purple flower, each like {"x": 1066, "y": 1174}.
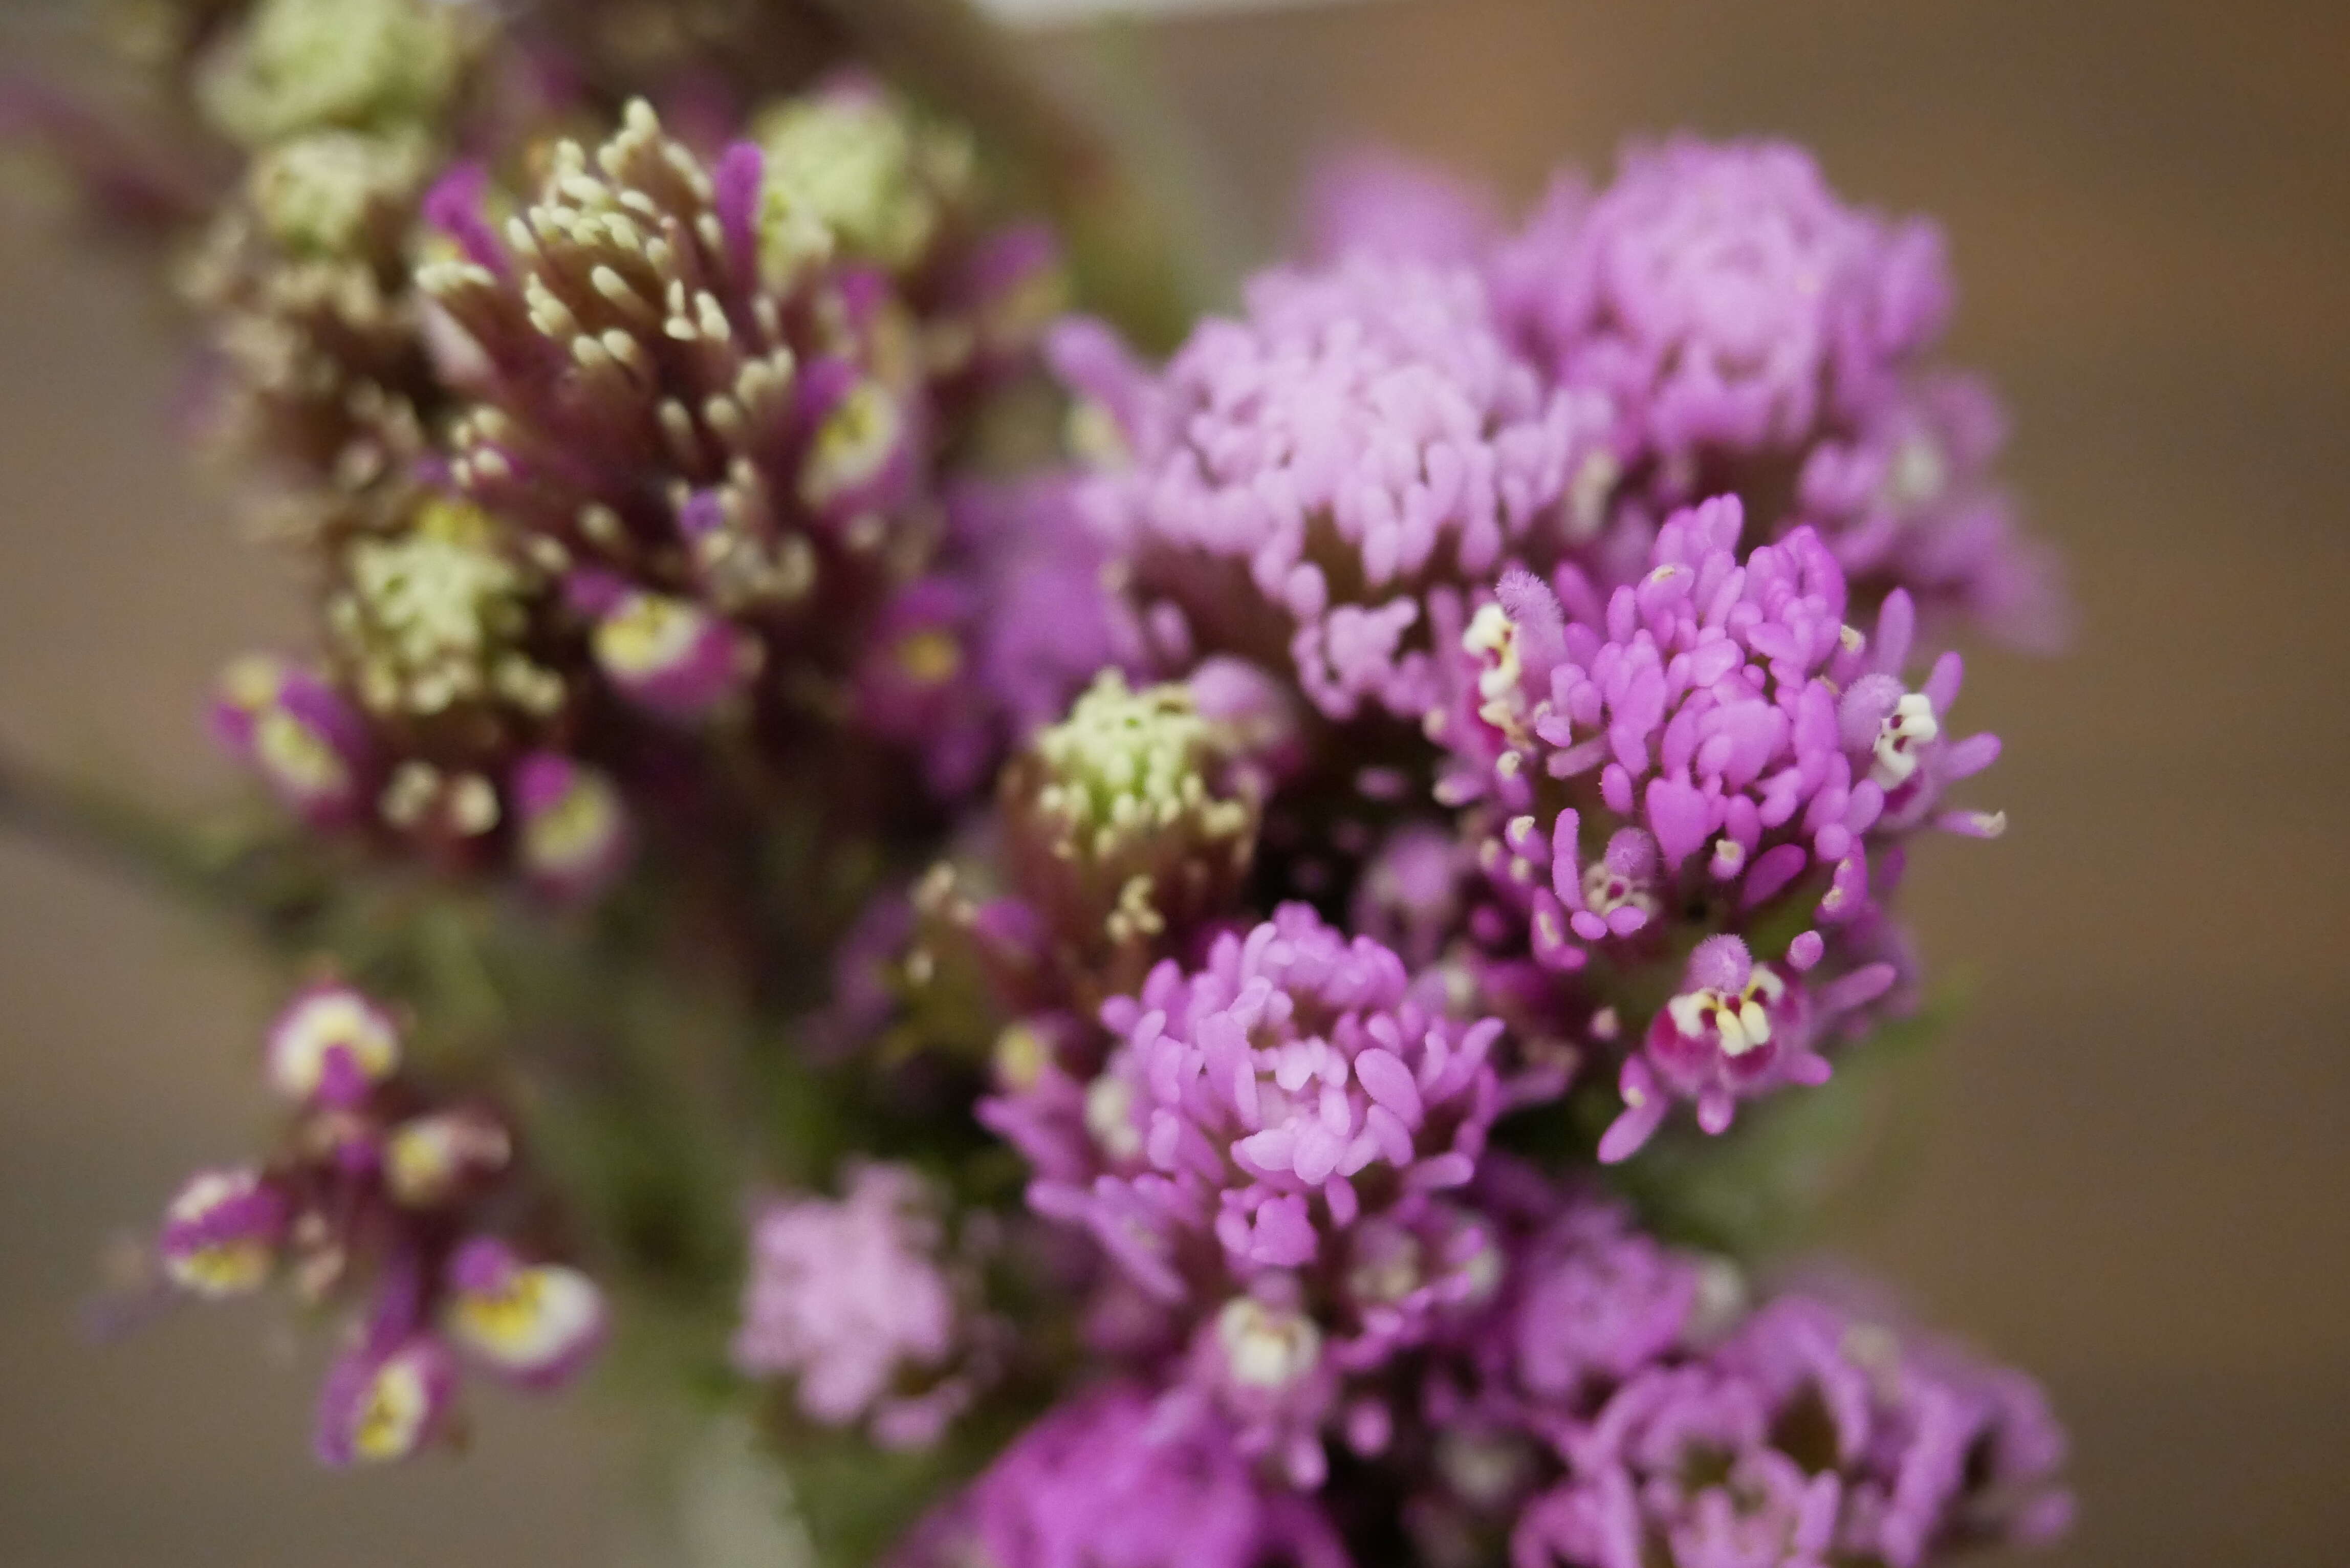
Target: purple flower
{"x": 1046, "y": 622}
{"x": 1303, "y": 475}
{"x": 1109, "y": 1480}
{"x": 669, "y": 656}
{"x": 1270, "y": 1096}
{"x": 385, "y": 1402}
{"x": 1006, "y": 294}
{"x": 865, "y": 967}
{"x": 1905, "y": 499}
{"x": 1258, "y": 1362}
{"x": 309, "y": 746}
{"x": 220, "y": 1233}
{"x": 1594, "y": 1300}
{"x": 1810, "y": 1435}
{"x": 442, "y": 1156}
{"x": 382, "y": 1194}
{"x": 915, "y": 686}
{"x": 534, "y": 1323}
{"x": 851, "y": 1299}
{"x": 1751, "y": 333}
{"x": 572, "y": 832}
{"x": 1737, "y": 1029}
{"x": 1725, "y": 295}
{"x": 331, "y": 1044}
{"x": 1735, "y": 752}
{"x": 1934, "y": 1449}
{"x": 1410, "y": 895}
{"x": 1678, "y": 1469}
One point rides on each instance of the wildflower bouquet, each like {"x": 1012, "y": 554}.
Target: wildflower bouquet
{"x": 1216, "y": 960}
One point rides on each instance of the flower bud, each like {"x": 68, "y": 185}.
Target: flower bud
{"x": 330, "y": 1045}
{"x": 295, "y": 730}
{"x": 1130, "y": 818}
{"x": 220, "y": 1233}
{"x": 572, "y": 832}
{"x": 535, "y": 1324}
{"x": 380, "y": 1407}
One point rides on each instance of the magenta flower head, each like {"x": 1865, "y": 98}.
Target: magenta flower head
{"x": 1678, "y": 1469}
{"x": 1046, "y": 622}
{"x": 1753, "y": 333}
{"x": 852, "y": 1300}
{"x": 1410, "y": 895}
{"x": 1260, "y": 1362}
{"x": 385, "y": 1402}
{"x": 331, "y": 1045}
{"x": 1006, "y": 294}
{"x": 1724, "y": 294}
{"x": 1733, "y": 751}
{"x": 535, "y": 1324}
{"x": 1109, "y": 1480}
{"x": 863, "y": 442}
{"x": 220, "y": 1233}
{"x": 1906, "y": 499}
{"x": 1303, "y": 476}
{"x": 1272, "y": 1096}
{"x": 1934, "y": 1450}
{"x": 1593, "y": 1299}
{"x": 1810, "y": 1435}
{"x": 308, "y": 745}
{"x": 572, "y": 832}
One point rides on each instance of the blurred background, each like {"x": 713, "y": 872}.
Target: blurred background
{"x": 2133, "y": 1182}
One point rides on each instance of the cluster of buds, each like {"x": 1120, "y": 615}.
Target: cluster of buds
{"x": 302, "y": 280}
{"x": 1128, "y": 829}
{"x": 562, "y": 825}
{"x": 1622, "y": 1402}
{"x": 693, "y": 410}
{"x": 384, "y": 1196}
{"x": 698, "y": 401}
{"x": 1131, "y": 821}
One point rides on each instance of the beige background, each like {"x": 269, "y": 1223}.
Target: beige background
{"x": 2135, "y": 1181}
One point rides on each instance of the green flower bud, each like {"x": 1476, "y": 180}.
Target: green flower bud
{"x": 857, "y": 165}
{"x": 1133, "y": 818}
{"x": 308, "y": 65}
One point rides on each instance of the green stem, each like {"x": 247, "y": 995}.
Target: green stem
{"x": 89, "y": 826}
{"x": 271, "y": 881}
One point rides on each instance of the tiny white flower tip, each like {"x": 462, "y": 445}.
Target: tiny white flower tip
{"x": 1264, "y": 1348}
